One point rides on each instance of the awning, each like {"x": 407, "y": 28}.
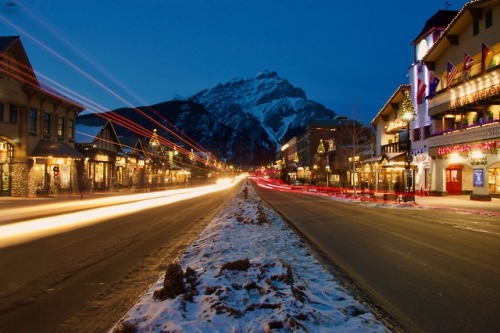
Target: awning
{"x": 374, "y": 159}
{"x": 174, "y": 166}
{"x": 393, "y": 156}
{"x": 46, "y": 148}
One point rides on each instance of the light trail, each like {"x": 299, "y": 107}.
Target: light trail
{"x": 9, "y": 213}
{"x": 38, "y": 18}
{"x": 188, "y": 141}
{"x": 22, "y": 232}
{"x": 25, "y": 75}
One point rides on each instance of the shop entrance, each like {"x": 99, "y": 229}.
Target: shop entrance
{"x": 6, "y": 155}
{"x": 454, "y": 180}
{"x": 4, "y": 179}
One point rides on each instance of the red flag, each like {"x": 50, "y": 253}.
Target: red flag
{"x": 420, "y": 90}
{"x": 487, "y": 56}
{"x": 468, "y": 62}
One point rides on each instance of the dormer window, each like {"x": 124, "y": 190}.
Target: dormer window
{"x": 422, "y": 49}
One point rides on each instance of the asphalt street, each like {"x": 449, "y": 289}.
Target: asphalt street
{"x": 426, "y": 272}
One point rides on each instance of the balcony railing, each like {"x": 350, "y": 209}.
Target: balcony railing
{"x": 471, "y": 133}
{"x": 396, "y": 147}
{"x": 396, "y": 126}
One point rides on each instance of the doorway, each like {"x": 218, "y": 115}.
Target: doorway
{"x": 454, "y": 180}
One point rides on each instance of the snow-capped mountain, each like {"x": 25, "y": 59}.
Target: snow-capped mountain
{"x": 266, "y": 100}
{"x": 243, "y": 121}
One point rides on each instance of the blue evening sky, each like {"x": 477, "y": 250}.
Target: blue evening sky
{"x": 349, "y": 56}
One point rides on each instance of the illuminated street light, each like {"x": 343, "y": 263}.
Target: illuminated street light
{"x": 154, "y": 145}
{"x": 408, "y": 114}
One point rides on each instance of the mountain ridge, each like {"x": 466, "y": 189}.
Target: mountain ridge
{"x": 243, "y": 121}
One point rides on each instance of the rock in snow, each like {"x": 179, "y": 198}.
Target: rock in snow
{"x": 249, "y": 272}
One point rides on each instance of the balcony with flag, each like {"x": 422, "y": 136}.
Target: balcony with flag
{"x": 463, "y": 103}
{"x": 464, "y": 73}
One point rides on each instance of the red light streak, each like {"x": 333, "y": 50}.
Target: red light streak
{"x": 107, "y": 115}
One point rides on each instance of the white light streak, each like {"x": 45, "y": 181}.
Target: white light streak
{"x": 21, "y": 232}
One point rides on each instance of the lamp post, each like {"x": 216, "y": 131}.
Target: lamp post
{"x": 154, "y": 145}
{"x": 408, "y": 114}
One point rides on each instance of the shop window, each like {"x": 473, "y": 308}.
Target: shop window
{"x": 494, "y": 180}
{"x": 60, "y": 127}
{"x": 489, "y": 18}
{"x": 46, "y": 124}
{"x": 33, "y": 120}
{"x": 13, "y": 114}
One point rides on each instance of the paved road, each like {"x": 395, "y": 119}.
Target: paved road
{"x": 432, "y": 276}
{"x": 84, "y": 280}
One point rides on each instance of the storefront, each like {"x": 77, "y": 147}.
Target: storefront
{"x": 494, "y": 180}
{"x": 101, "y": 172}
{"x": 468, "y": 168}
{"x": 54, "y": 168}
{"x": 392, "y": 174}
{"x": 6, "y": 155}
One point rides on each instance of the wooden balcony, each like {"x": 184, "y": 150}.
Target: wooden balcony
{"x": 472, "y": 133}
{"x": 396, "y": 147}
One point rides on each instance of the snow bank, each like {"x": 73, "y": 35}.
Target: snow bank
{"x": 249, "y": 272}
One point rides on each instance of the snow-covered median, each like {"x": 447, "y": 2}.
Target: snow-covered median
{"x": 248, "y": 272}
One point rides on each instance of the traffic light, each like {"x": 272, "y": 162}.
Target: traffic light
{"x": 55, "y": 170}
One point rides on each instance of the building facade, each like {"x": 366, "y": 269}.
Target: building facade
{"x": 104, "y": 162}
{"x": 461, "y": 110}
{"x": 389, "y": 165}
{"x": 37, "y": 130}
{"x": 327, "y": 153}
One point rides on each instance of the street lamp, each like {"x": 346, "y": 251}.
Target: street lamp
{"x": 408, "y": 114}
{"x": 154, "y": 145}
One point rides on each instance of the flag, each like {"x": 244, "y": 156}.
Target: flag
{"x": 468, "y": 62}
{"x": 433, "y": 83}
{"x": 452, "y": 72}
{"x": 421, "y": 86}
{"x": 487, "y": 56}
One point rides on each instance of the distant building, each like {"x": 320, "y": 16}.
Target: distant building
{"x": 104, "y": 163}
{"x": 37, "y": 130}
{"x": 328, "y": 152}
{"x": 388, "y": 163}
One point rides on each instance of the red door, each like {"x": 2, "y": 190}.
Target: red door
{"x": 454, "y": 180}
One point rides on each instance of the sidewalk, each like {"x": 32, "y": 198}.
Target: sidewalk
{"x": 452, "y": 201}
{"x": 460, "y": 202}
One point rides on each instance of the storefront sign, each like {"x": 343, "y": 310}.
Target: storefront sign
{"x": 475, "y": 96}
{"x": 483, "y": 160}
{"x": 465, "y": 148}
{"x": 478, "y": 177}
